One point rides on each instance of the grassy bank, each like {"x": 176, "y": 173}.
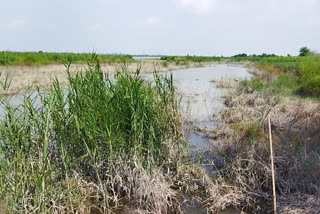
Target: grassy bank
{"x": 289, "y": 75}
{"x": 245, "y": 180}
{"x": 43, "y": 58}
{"x": 92, "y": 146}
{"x": 278, "y": 89}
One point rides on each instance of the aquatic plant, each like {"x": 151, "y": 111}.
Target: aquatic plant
{"x": 85, "y": 146}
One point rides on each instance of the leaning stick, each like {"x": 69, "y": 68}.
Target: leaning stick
{"x": 272, "y": 169}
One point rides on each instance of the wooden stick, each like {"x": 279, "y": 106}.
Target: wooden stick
{"x": 272, "y": 168}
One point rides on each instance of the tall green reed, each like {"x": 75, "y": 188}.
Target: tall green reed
{"x": 83, "y": 127}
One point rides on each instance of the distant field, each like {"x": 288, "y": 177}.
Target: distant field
{"x": 43, "y": 58}
{"x": 297, "y": 74}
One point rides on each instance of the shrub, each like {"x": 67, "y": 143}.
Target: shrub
{"x": 286, "y": 83}
{"x": 309, "y": 76}
{"x": 252, "y": 85}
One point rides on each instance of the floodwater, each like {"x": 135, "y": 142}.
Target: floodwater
{"x": 202, "y": 101}
{"x": 201, "y": 105}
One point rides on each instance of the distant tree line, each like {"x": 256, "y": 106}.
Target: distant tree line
{"x": 304, "y": 51}
{"x": 254, "y": 55}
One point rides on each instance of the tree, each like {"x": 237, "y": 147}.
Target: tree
{"x": 241, "y": 55}
{"x": 304, "y": 51}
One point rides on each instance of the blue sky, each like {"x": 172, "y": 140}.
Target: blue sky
{"x": 173, "y": 27}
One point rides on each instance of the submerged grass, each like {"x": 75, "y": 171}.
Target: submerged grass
{"x": 84, "y": 147}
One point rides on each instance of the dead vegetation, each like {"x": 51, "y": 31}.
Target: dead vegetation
{"x": 23, "y": 77}
{"x": 245, "y": 181}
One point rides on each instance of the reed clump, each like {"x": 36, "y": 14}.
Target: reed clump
{"x": 92, "y": 146}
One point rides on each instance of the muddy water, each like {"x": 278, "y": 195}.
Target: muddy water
{"x": 202, "y": 103}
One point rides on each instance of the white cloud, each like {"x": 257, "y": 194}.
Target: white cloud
{"x": 198, "y": 6}
{"x": 16, "y": 23}
{"x": 152, "y": 20}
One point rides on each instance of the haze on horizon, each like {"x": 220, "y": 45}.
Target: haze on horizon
{"x": 168, "y": 27}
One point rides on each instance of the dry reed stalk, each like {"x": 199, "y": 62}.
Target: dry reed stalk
{"x": 272, "y": 168}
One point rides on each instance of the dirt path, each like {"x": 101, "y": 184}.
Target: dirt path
{"x": 23, "y": 77}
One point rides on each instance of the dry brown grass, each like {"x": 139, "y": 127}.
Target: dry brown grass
{"x": 245, "y": 181}
{"x": 28, "y": 76}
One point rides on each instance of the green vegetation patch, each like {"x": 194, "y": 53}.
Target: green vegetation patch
{"x": 60, "y": 149}
{"x": 252, "y": 85}
{"x": 287, "y": 75}
{"x": 309, "y": 76}
{"x": 42, "y": 58}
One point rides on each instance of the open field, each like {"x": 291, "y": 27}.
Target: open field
{"x": 43, "y": 58}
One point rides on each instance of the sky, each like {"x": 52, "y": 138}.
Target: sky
{"x": 168, "y": 27}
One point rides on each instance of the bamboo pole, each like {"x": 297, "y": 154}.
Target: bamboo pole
{"x": 272, "y": 169}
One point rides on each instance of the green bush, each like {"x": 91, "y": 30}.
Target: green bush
{"x": 309, "y": 76}
{"x": 286, "y": 83}
{"x": 252, "y": 85}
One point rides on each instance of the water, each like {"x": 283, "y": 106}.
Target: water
{"x": 201, "y": 104}
{"x": 202, "y": 101}
{"x": 200, "y": 96}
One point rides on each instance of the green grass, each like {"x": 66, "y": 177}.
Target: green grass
{"x": 288, "y": 75}
{"x": 83, "y": 130}
{"x": 42, "y": 58}
{"x": 253, "y": 84}
{"x": 286, "y": 83}
{"x": 309, "y": 76}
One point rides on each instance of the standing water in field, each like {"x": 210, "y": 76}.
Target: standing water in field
{"x": 202, "y": 102}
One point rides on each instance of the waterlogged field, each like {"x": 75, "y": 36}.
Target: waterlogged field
{"x": 193, "y": 141}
